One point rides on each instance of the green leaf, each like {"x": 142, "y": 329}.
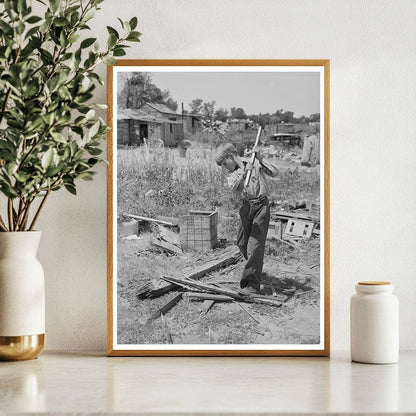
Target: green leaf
{"x": 86, "y": 176}
{"x": 7, "y": 29}
{"x": 110, "y": 60}
{"x": 70, "y": 188}
{"x": 94, "y": 129}
{"x": 21, "y": 6}
{"x": 74, "y": 18}
{"x": 94, "y": 151}
{"x": 61, "y": 21}
{"x": 87, "y": 42}
{"x": 47, "y": 158}
{"x": 112, "y": 31}
{"x": 33, "y": 19}
{"x": 58, "y": 137}
{"x": 112, "y": 41}
{"x": 90, "y": 114}
{"x": 11, "y": 168}
{"x": 133, "y": 23}
{"x": 54, "y": 4}
{"x": 21, "y": 177}
{"x": 74, "y": 38}
{"x": 20, "y": 28}
{"x": 119, "y": 52}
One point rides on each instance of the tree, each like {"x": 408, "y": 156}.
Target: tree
{"x": 221, "y": 114}
{"x": 196, "y": 106}
{"x": 50, "y": 134}
{"x": 139, "y": 89}
{"x": 238, "y": 113}
{"x": 315, "y": 117}
{"x": 169, "y": 101}
{"x": 287, "y": 117}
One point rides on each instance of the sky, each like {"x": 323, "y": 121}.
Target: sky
{"x": 255, "y": 92}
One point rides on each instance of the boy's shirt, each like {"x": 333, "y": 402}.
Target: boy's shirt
{"x": 257, "y": 186}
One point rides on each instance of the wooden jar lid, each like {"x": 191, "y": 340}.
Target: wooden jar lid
{"x": 374, "y": 283}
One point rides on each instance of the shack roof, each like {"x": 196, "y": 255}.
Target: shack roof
{"x": 162, "y": 108}
{"x": 141, "y": 115}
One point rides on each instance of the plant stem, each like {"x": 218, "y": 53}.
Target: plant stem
{"x": 21, "y": 212}
{"x": 39, "y": 209}
{"x": 2, "y": 224}
{"x": 26, "y": 216}
{"x": 35, "y": 145}
{"x": 10, "y": 213}
{"x": 17, "y": 216}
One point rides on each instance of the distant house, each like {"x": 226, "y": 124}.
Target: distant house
{"x": 285, "y": 128}
{"x": 137, "y": 126}
{"x": 237, "y": 124}
{"x": 162, "y": 111}
{"x": 192, "y": 123}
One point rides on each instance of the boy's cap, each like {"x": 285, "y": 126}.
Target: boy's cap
{"x": 223, "y": 151}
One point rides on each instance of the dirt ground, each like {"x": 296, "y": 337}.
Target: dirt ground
{"x": 293, "y": 271}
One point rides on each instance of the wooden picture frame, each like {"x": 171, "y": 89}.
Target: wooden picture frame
{"x": 146, "y": 140}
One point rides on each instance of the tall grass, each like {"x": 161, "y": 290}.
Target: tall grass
{"x": 155, "y": 182}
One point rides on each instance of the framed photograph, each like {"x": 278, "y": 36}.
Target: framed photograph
{"x": 218, "y": 208}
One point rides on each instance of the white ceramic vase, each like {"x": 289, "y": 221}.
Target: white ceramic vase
{"x": 22, "y": 296}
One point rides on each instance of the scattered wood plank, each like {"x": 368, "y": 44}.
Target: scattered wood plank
{"x": 166, "y": 246}
{"x": 168, "y": 235}
{"x": 153, "y": 288}
{"x": 291, "y": 241}
{"x": 273, "y": 289}
{"x": 187, "y": 283}
{"x": 226, "y": 259}
{"x": 168, "y": 334}
{"x": 247, "y": 312}
{"x": 165, "y": 307}
{"x": 208, "y": 296}
{"x": 147, "y": 219}
{"x": 285, "y": 215}
{"x": 172, "y": 220}
{"x": 156, "y": 288}
{"x": 296, "y": 272}
{"x": 206, "y": 306}
{"x": 291, "y": 244}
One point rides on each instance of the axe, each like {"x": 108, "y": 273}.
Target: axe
{"x": 252, "y": 159}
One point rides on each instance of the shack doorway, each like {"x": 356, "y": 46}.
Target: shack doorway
{"x": 144, "y": 133}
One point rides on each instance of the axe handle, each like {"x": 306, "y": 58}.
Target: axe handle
{"x": 252, "y": 159}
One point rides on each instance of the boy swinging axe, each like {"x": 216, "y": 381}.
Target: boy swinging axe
{"x": 247, "y": 179}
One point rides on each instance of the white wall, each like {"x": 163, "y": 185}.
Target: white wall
{"x": 371, "y": 45}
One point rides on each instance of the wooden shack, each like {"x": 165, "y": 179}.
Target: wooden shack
{"x": 191, "y": 123}
{"x": 137, "y": 126}
{"x": 238, "y": 125}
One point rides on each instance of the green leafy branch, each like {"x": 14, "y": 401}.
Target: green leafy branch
{"x": 50, "y": 134}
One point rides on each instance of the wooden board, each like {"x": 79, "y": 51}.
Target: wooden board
{"x": 166, "y": 307}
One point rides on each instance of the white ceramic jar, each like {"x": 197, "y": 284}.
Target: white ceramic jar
{"x": 374, "y": 323}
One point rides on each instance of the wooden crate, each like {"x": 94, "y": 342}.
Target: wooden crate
{"x": 299, "y": 228}
{"x": 198, "y": 230}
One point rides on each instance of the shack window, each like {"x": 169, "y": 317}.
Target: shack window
{"x": 171, "y": 127}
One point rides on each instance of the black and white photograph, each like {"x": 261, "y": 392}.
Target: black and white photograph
{"x": 218, "y": 209}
